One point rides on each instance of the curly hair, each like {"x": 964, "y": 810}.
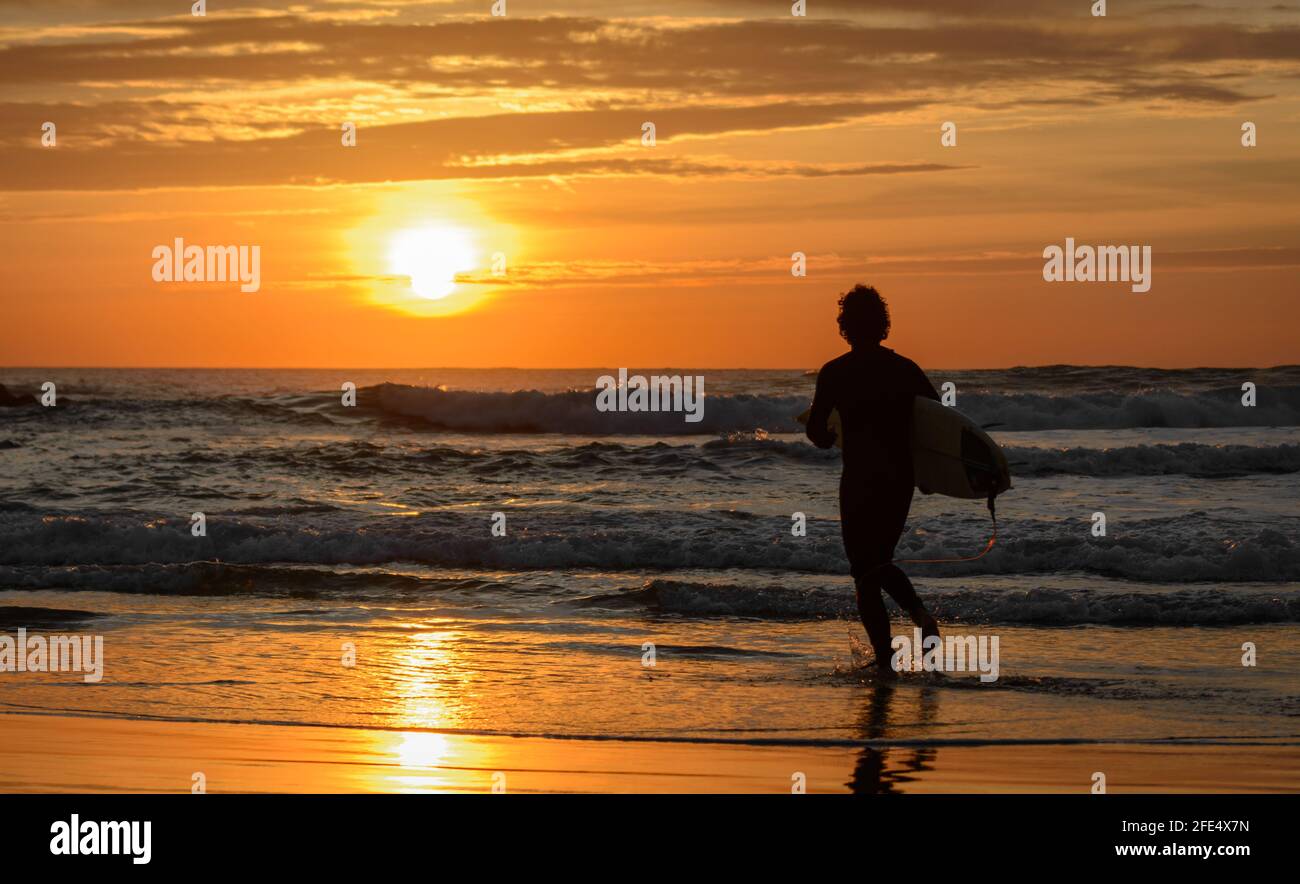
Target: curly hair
{"x": 864, "y": 316}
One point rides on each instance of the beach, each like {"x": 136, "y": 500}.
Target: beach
{"x": 83, "y": 754}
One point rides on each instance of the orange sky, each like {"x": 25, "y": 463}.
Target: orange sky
{"x": 522, "y": 135}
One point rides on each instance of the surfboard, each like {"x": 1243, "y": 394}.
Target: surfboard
{"x": 951, "y": 454}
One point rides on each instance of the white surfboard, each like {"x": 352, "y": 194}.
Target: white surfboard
{"x": 951, "y": 454}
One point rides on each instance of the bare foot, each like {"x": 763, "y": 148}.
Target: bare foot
{"x": 883, "y": 670}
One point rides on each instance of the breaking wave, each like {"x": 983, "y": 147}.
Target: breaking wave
{"x": 574, "y": 412}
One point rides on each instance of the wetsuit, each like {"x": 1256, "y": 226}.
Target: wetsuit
{"x": 872, "y": 388}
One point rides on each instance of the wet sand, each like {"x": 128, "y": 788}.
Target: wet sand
{"x": 58, "y": 753}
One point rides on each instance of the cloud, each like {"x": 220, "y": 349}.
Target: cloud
{"x": 240, "y": 98}
{"x": 441, "y": 149}
{"x": 742, "y": 57}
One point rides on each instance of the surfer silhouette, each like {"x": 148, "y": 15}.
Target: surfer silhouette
{"x": 872, "y": 387}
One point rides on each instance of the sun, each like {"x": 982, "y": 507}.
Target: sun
{"x": 431, "y": 257}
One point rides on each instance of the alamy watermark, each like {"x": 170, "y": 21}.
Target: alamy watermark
{"x": 77, "y": 837}
{"x": 1098, "y": 264}
{"x": 952, "y": 653}
{"x": 181, "y": 263}
{"x": 656, "y": 393}
{"x": 57, "y": 653}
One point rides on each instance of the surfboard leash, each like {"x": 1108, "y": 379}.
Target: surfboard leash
{"x": 992, "y": 540}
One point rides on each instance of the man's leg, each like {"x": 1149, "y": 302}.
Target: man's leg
{"x": 861, "y": 531}
{"x": 895, "y": 502}
{"x": 871, "y": 608}
{"x": 872, "y": 518}
{"x": 900, "y": 589}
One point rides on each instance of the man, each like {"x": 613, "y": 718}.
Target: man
{"x": 872, "y": 387}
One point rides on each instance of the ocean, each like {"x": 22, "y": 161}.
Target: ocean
{"x": 350, "y": 575}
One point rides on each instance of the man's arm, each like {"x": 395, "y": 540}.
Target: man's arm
{"x": 823, "y": 401}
